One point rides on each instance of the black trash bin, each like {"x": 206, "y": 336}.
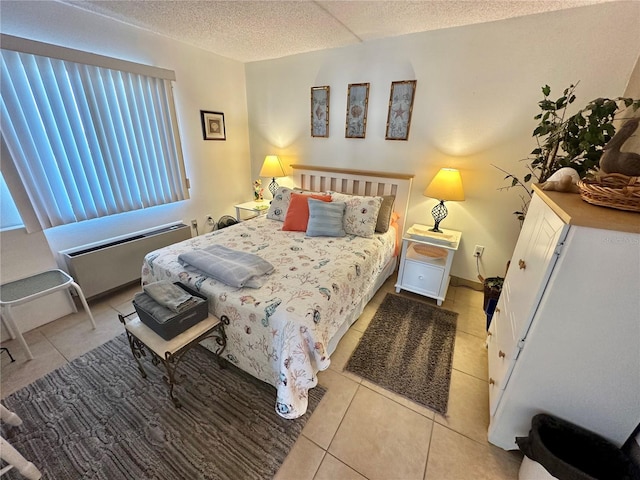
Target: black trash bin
{"x": 570, "y": 452}
{"x": 492, "y": 289}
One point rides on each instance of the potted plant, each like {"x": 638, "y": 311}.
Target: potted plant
{"x": 575, "y": 141}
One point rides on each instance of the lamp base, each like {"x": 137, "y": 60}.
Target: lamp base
{"x": 273, "y": 187}
{"x": 439, "y": 213}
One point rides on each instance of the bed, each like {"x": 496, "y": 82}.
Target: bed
{"x": 284, "y": 332}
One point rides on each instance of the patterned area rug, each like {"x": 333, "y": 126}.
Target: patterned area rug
{"x": 97, "y": 418}
{"x": 408, "y": 349}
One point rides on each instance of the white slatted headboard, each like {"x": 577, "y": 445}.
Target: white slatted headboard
{"x": 357, "y": 182}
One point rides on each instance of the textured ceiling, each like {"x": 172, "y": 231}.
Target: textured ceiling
{"x": 259, "y": 30}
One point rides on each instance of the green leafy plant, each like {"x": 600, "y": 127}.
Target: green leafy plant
{"x": 574, "y": 141}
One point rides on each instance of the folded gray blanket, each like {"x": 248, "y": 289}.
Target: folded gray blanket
{"x": 153, "y": 308}
{"x": 232, "y": 267}
{"x": 171, "y": 296}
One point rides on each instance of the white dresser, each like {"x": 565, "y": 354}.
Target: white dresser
{"x": 565, "y": 336}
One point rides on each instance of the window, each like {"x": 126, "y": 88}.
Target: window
{"x": 88, "y": 138}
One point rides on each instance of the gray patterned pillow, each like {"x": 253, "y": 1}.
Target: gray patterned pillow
{"x": 384, "y": 215}
{"x": 280, "y": 204}
{"x": 361, "y": 213}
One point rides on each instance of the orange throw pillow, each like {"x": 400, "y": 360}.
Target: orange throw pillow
{"x": 298, "y": 213}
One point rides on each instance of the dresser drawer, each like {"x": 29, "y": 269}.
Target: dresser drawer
{"x": 502, "y": 319}
{"x": 422, "y": 277}
{"x": 499, "y": 367}
{"x": 502, "y": 353}
{"x": 495, "y": 394}
{"x": 531, "y": 264}
{"x": 496, "y": 372}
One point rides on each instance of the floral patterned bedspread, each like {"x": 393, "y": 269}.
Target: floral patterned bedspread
{"x": 279, "y": 333}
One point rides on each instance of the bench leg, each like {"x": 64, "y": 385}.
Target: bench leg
{"x": 137, "y": 350}
{"x": 8, "y": 327}
{"x": 171, "y": 364}
{"x": 15, "y": 332}
{"x": 84, "y": 303}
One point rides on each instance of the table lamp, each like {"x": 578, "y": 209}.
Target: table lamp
{"x": 272, "y": 168}
{"x": 445, "y": 186}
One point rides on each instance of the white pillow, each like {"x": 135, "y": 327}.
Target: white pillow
{"x": 280, "y": 204}
{"x": 361, "y": 213}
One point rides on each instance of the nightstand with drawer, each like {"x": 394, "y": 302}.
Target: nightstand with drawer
{"x": 426, "y": 261}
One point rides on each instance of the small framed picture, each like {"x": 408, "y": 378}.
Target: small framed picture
{"x": 213, "y": 125}
{"x": 320, "y": 111}
{"x": 357, "y": 103}
{"x": 400, "y": 109}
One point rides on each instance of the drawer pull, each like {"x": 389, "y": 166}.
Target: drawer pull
{"x": 491, "y": 381}
{"x": 501, "y": 354}
{"x": 522, "y": 264}
{"x": 497, "y": 310}
{"x": 489, "y": 333}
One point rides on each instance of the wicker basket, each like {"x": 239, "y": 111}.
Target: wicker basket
{"x": 612, "y": 190}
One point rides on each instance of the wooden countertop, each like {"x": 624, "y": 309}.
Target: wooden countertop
{"x": 573, "y": 210}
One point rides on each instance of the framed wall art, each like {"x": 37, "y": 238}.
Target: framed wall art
{"x": 357, "y": 103}
{"x": 320, "y": 111}
{"x": 400, "y": 109}
{"x": 213, "y": 125}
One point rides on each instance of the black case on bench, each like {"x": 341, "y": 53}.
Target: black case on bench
{"x": 181, "y": 322}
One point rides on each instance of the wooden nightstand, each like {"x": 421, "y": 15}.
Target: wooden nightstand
{"x": 426, "y": 261}
{"x": 256, "y": 208}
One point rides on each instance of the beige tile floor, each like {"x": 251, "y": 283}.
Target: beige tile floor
{"x": 359, "y": 430}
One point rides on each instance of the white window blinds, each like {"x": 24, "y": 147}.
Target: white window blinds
{"x": 89, "y": 141}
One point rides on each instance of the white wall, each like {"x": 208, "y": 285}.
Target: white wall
{"x": 477, "y": 93}
{"x": 219, "y": 171}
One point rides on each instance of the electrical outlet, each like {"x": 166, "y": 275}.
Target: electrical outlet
{"x": 194, "y": 223}
{"x": 479, "y": 250}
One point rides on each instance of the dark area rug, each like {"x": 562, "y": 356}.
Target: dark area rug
{"x": 98, "y": 418}
{"x": 408, "y": 349}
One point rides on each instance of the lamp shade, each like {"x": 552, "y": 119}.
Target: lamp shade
{"x": 446, "y": 185}
{"x": 272, "y": 167}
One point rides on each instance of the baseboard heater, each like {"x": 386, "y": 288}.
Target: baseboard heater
{"x": 101, "y": 267}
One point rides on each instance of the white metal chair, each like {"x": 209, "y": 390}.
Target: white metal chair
{"x": 32, "y": 287}
{"x": 10, "y": 455}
